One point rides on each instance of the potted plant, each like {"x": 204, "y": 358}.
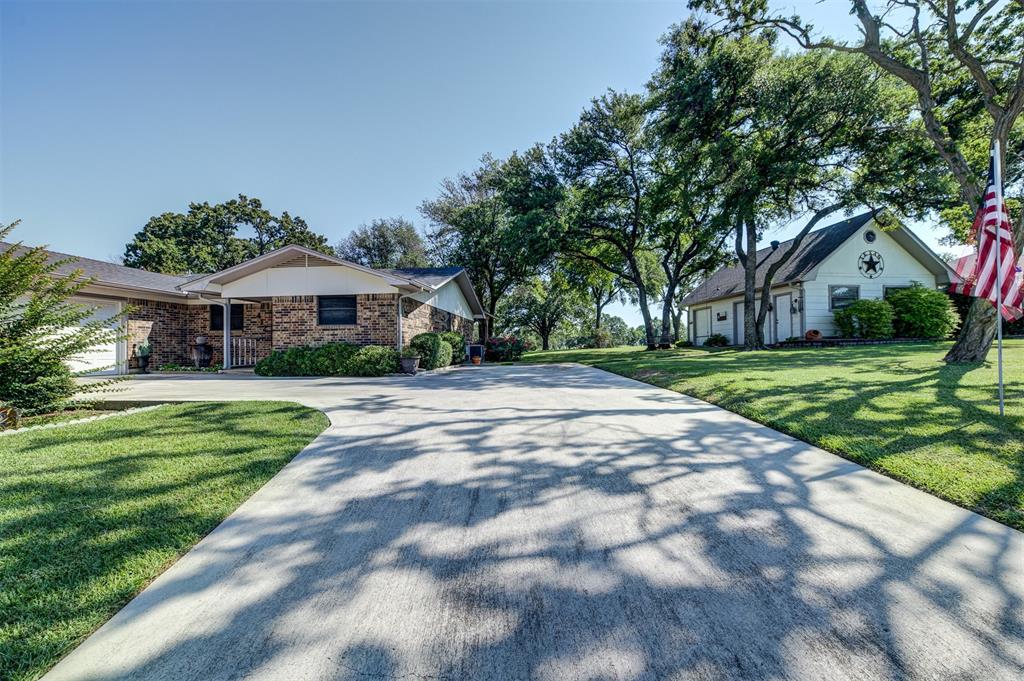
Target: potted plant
{"x": 410, "y": 360}
{"x": 143, "y": 351}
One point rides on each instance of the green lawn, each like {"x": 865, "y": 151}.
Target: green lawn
{"x": 895, "y": 408}
{"x": 91, "y": 513}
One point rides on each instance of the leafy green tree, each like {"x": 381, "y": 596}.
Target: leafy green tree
{"x": 385, "y": 243}
{"x": 609, "y": 163}
{"x": 803, "y": 136}
{"x": 600, "y": 286}
{"x": 963, "y": 62}
{"x": 542, "y": 305}
{"x": 41, "y": 329}
{"x": 497, "y": 221}
{"x": 210, "y": 238}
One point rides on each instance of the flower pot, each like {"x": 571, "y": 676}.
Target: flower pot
{"x": 813, "y": 335}
{"x": 143, "y": 364}
{"x": 409, "y": 364}
{"x": 475, "y": 359}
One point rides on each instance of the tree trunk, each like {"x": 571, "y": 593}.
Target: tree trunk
{"x": 544, "y": 341}
{"x": 976, "y": 334}
{"x": 677, "y": 323}
{"x": 751, "y": 337}
{"x": 666, "y": 317}
{"x": 641, "y": 295}
{"x": 597, "y": 316}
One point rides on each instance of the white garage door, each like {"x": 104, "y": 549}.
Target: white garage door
{"x": 103, "y": 358}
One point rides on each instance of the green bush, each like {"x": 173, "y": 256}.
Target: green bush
{"x": 716, "y": 340}
{"x": 324, "y": 360}
{"x": 435, "y": 352}
{"x": 865, "y": 319}
{"x": 458, "y": 343}
{"x": 684, "y": 343}
{"x": 373, "y": 360}
{"x": 921, "y": 312}
{"x": 506, "y": 348}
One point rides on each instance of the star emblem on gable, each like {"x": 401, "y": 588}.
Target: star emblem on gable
{"x": 870, "y": 264}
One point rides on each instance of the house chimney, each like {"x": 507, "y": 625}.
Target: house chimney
{"x": 775, "y": 245}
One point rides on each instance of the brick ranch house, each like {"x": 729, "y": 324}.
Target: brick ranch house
{"x": 289, "y": 297}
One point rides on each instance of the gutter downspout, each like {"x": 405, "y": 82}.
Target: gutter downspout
{"x": 398, "y": 317}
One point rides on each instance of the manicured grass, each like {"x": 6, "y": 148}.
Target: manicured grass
{"x": 91, "y": 513}
{"x": 895, "y": 408}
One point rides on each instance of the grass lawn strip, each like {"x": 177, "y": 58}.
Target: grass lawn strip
{"x": 91, "y": 513}
{"x": 898, "y": 409}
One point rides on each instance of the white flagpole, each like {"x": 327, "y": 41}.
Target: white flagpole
{"x": 997, "y": 173}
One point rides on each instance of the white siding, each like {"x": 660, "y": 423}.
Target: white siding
{"x": 448, "y": 298}
{"x": 306, "y": 281}
{"x": 840, "y": 268}
{"x": 727, "y": 327}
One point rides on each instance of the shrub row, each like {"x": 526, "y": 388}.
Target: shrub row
{"x": 333, "y": 359}
{"x": 914, "y": 312}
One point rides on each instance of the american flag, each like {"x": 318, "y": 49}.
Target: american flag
{"x": 977, "y": 271}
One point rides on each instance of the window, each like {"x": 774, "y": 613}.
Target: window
{"x": 336, "y": 310}
{"x": 237, "y": 317}
{"x": 886, "y": 290}
{"x": 841, "y": 296}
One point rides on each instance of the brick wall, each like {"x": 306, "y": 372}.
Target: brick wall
{"x": 295, "y": 322}
{"x": 423, "y": 318}
{"x": 164, "y": 325}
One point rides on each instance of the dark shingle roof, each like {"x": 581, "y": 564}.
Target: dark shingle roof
{"x": 431, "y": 276}
{"x": 816, "y": 246}
{"x": 109, "y": 273}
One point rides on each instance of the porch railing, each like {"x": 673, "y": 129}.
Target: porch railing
{"x": 243, "y": 352}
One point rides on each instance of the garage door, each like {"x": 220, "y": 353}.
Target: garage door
{"x": 101, "y": 359}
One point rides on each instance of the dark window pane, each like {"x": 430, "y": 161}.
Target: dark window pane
{"x": 841, "y": 296}
{"x": 335, "y": 310}
{"x": 237, "y": 317}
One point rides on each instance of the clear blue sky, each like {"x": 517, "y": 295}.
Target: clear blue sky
{"x": 339, "y": 112}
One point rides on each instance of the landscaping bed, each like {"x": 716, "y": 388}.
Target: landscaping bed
{"x": 91, "y": 513}
{"x": 898, "y": 409}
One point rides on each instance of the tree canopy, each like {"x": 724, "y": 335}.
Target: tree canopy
{"x": 385, "y": 243}
{"x": 210, "y": 238}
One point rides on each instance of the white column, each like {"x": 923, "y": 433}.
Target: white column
{"x": 227, "y": 332}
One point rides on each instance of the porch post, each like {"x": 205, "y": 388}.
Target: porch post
{"x": 227, "y": 332}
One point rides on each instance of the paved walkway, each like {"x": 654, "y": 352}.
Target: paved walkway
{"x": 563, "y": 523}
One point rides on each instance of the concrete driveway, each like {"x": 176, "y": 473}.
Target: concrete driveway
{"x": 560, "y": 522}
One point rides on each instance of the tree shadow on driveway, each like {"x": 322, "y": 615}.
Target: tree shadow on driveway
{"x": 562, "y": 523}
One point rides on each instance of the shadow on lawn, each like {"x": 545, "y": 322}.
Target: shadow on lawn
{"x": 447, "y": 532}
{"x": 84, "y": 530}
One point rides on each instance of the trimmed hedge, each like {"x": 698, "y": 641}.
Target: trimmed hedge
{"x": 373, "y": 360}
{"x": 922, "y": 312}
{"x": 435, "y": 352}
{"x": 865, "y": 319}
{"x": 458, "y": 343}
{"x": 333, "y": 359}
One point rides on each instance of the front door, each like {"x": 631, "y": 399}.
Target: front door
{"x": 783, "y": 317}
